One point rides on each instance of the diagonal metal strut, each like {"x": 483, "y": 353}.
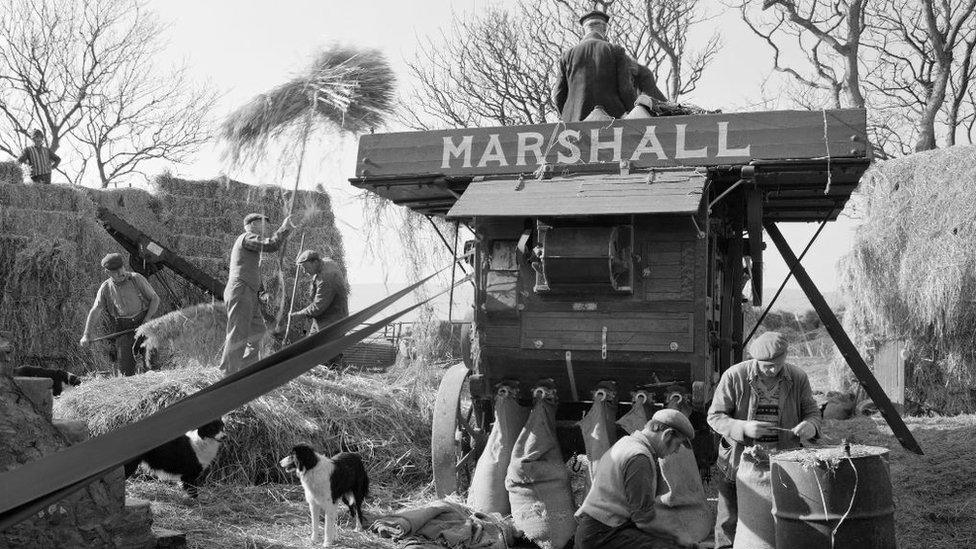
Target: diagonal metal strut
{"x": 844, "y": 343}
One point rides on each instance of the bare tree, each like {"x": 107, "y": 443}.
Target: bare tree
{"x": 828, "y": 33}
{"x": 925, "y": 52}
{"x": 495, "y": 67}
{"x": 67, "y": 67}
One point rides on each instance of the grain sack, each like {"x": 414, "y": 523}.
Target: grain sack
{"x": 755, "y": 528}
{"x": 487, "y": 493}
{"x": 598, "y": 426}
{"x": 537, "y": 479}
{"x": 683, "y": 509}
{"x": 636, "y": 418}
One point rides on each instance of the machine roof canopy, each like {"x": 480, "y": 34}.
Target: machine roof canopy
{"x": 655, "y": 192}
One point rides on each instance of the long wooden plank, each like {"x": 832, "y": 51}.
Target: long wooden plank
{"x": 844, "y": 343}
{"x": 700, "y": 140}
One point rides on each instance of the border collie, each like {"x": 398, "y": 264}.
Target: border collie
{"x": 326, "y": 481}
{"x": 184, "y": 458}
{"x": 57, "y": 376}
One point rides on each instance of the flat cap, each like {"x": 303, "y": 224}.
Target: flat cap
{"x": 677, "y": 421}
{"x": 307, "y": 255}
{"x": 769, "y": 348}
{"x": 254, "y": 217}
{"x": 595, "y": 13}
{"x": 113, "y": 261}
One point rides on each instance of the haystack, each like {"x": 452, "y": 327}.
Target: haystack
{"x": 51, "y": 243}
{"x": 911, "y": 272}
{"x": 11, "y": 173}
{"x": 387, "y": 424}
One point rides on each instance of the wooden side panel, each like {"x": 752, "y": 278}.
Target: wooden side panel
{"x": 889, "y": 367}
{"x": 700, "y": 140}
{"x": 625, "y": 331}
{"x": 670, "y": 270}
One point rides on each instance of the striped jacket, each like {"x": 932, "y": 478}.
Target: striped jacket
{"x": 41, "y": 159}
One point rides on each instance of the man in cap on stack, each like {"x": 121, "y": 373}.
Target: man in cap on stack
{"x": 40, "y": 158}
{"x": 593, "y": 73}
{"x": 763, "y": 404}
{"x": 245, "y": 325}
{"x": 129, "y": 300}
{"x": 619, "y": 510}
{"x": 328, "y": 291}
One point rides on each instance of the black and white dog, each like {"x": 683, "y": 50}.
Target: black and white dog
{"x": 326, "y": 481}
{"x": 57, "y": 376}
{"x": 183, "y": 459}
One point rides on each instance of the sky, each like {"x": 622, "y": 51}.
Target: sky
{"x": 244, "y": 47}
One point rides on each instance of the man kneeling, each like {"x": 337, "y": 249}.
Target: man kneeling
{"x": 619, "y": 512}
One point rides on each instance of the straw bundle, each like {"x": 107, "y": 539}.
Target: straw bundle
{"x": 11, "y": 173}
{"x": 331, "y": 411}
{"x": 911, "y": 273}
{"x": 190, "y": 336}
{"x": 347, "y": 88}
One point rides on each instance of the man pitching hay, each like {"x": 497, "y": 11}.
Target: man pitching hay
{"x": 328, "y": 290}
{"x": 129, "y": 300}
{"x": 245, "y": 325}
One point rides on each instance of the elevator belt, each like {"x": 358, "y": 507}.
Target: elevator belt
{"x": 40, "y": 483}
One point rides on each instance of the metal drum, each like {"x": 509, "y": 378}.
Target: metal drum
{"x": 833, "y": 498}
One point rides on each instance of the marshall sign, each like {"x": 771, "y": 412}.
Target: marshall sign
{"x": 702, "y": 140}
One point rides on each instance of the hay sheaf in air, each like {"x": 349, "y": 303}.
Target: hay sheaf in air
{"x": 349, "y": 89}
{"x": 911, "y": 271}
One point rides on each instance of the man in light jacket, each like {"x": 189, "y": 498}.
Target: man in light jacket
{"x": 762, "y": 402}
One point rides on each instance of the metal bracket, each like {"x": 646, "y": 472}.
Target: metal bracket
{"x": 603, "y": 344}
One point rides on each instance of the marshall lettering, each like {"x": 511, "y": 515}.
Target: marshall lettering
{"x": 657, "y": 142}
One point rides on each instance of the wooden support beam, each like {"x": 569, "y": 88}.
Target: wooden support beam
{"x": 844, "y": 343}
{"x": 754, "y": 217}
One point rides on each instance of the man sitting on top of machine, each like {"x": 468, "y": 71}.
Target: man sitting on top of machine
{"x": 594, "y": 73}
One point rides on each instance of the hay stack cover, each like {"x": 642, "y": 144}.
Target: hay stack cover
{"x": 911, "y": 272}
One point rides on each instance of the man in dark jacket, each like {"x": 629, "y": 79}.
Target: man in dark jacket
{"x": 329, "y": 291}
{"x": 593, "y": 73}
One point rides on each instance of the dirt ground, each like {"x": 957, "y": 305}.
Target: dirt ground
{"x": 935, "y": 494}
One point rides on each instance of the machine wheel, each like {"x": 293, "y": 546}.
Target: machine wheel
{"x": 458, "y": 436}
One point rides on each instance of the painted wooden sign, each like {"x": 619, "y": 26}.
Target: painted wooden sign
{"x": 699, "y": 140}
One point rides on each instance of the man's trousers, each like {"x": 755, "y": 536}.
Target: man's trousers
{"x": 245, "y": 328}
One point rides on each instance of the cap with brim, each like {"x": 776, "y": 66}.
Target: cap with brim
{"x": 595, "y": 13}
{"x": 254, "y": 217}
{"x": 769, "y": 348}
{"x": 113, "y": 261}
{"x": 677, "y": 421}
{"x": 307, "y": 255}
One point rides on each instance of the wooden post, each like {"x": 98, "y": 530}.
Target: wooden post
{"x": 844, "y": 343}
{"x": 754, "y": 215}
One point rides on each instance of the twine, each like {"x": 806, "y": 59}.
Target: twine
{"x": 833, "y": 533}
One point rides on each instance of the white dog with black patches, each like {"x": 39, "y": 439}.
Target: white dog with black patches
{"x": 327, "y": 481}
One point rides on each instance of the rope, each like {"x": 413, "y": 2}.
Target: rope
{"x": 849, "y": 506}
{"x": 827, "y": 146}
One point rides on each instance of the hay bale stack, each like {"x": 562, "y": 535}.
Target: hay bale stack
{"x": 197, "y": 219}
{"x": 911, "y": 273}
{"x": 11, "y": 173}
{"x": 389, "y": 427}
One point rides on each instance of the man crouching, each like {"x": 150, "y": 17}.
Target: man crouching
{"x": 618, "y": 512}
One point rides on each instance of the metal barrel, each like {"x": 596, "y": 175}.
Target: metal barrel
{"x": 829, "y": 498}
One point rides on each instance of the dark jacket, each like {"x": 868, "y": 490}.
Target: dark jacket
{"x": 734, "y": 403}
{"x": 645, "y": 83}
{"x": 593, "y": 72}
{"x": 245, "y": 257}
{"x": 330, "y": 296}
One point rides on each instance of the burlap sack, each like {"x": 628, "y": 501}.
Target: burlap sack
{"x": 756, "y": 528}
{"x": 538, "y": 481}
{"x": 636, "y": 417}
{"x": 683, "y": 509}
{"x": 599, "y": 428}
{"x": 487, "y": 493}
